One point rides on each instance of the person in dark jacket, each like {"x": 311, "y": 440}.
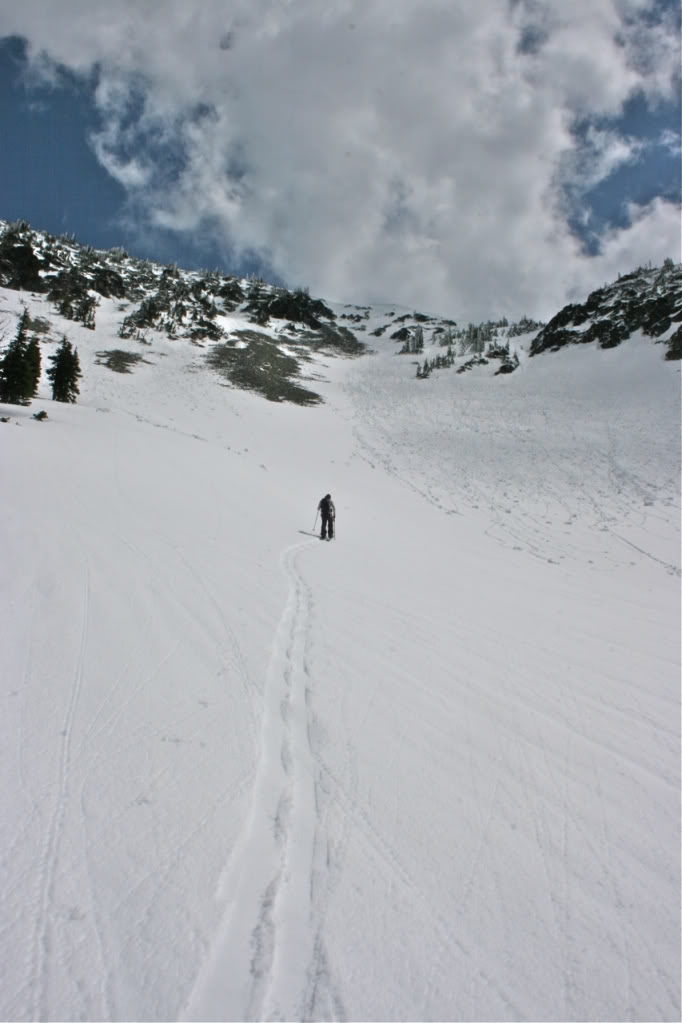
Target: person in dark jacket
{"x": 328, "y": 512}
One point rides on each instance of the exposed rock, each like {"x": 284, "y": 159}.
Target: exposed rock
{"x": 648, "y": 300}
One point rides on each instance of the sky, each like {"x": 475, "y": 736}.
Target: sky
{"x": 469, "y": 160}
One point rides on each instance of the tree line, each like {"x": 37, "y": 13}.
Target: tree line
{"x": 20, "y": 368}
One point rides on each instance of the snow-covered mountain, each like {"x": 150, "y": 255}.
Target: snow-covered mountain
{"x": 261, "y": 337}
{"x": 430, "y": 770}
{"x": 647, "y": 300}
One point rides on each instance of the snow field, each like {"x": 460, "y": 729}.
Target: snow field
{"x": 427, "y": 771}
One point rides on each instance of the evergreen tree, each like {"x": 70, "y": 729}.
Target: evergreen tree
{"x": 17, "y": 377}
{"x": 34, "y": 363}
{"x": 64, "y": 373}
{"x": 19, "y": 265}
{"x": 84, "y": 311}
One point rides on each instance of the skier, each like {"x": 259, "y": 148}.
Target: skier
{"x": 328, "y": 513}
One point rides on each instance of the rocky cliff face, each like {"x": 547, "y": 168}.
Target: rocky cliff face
{"x": 647, "y": 300}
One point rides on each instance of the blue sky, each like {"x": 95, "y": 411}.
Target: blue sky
{"x": 49, "y": 174}
{"x": 655, "y": 172}
{"x": 51, "y": 177}
{"x": 471, "y": 160}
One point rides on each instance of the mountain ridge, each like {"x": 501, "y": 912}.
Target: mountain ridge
{"x": 263, "y": 338}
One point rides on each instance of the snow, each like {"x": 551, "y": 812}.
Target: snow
{"x": 430, "y": 770}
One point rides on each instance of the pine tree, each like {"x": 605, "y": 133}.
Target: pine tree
{"x": 34, "y": 363}
{"x": 17, "y": 379}
{"x": 64, "y": 373}
{"x": 84, "y": 311}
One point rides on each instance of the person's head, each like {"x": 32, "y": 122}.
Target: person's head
{"x": 327, "y": 497}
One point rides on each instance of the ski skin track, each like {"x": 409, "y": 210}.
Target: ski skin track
{"x": 264, "y": 956}
{"x": 330, "y": 872}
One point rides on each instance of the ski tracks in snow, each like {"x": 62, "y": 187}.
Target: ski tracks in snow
{"x": 42, "y": 952}
{"x": 268, "y": 960}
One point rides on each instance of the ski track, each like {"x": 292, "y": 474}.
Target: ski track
{"x": 40, "y": 972}
{"x": 269, "y": 959}
{"x": 538, "y": 755}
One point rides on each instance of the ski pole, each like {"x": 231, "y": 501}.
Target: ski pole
{"x": 315, "y": 522}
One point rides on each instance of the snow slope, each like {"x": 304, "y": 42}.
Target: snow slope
{"x": 428, "y": 771}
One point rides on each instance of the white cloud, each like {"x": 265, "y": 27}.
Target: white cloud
{"x": 130, "y": 173}
{"x": 671, "y": 141}
{"x": 602, "y": 152}
{"x": 410, "y": 150}
{"x": 652, "y": 235}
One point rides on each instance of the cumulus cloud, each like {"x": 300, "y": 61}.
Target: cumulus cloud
{"x": 417, "y": 151}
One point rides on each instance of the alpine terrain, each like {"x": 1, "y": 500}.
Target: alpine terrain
{"x": 429, "y": 770}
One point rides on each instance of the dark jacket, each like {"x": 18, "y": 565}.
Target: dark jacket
{"x": 326, "y": 507}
